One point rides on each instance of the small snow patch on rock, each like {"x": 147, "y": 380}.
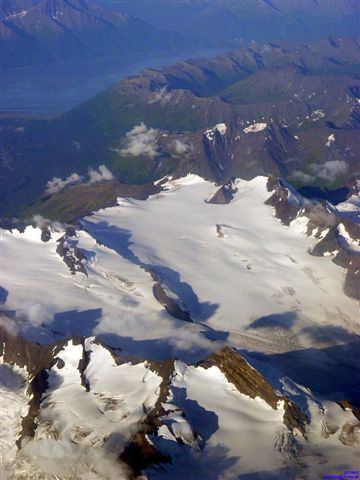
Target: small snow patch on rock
{"x": 255, "y": 127}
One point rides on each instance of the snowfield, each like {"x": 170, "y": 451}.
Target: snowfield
{"x": 258, "y": 268}
{"x": 246, "y": 435}
{"x": 93, "y": 407}
{"x": 243, "y": 279}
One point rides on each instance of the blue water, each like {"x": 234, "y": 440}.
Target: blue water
{"x": 50, "y": 90}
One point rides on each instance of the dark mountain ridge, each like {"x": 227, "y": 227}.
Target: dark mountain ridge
{"x": 242, "y": 21}
{"x": 39, "y": 32}
{"x": 283, "y": 109}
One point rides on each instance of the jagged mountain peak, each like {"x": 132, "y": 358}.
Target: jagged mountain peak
{"x": 152, "y": 408}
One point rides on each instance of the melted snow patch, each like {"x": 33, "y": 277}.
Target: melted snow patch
{"x": 255, "y": 127}
{"x": 221, "y": 128}
{"x": 20, "y": 14}
{"x": 210, "y": 133}
{"x": 316, "y": 115}
{"x": 331, "y": 139}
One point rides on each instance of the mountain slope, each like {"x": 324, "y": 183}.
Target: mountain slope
{"x": 154, "y": 418}
{"x": 281, "y": 109}
{"x": 48, "y": 31}
{"x": 242, "y": 21}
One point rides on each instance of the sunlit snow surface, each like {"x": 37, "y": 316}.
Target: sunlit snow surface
{"x": 244, "y": 435}
{"x": 81, "y": 430}
{"x": 258, "y": 268}
{"x": 255, "y": 285}
{"x": 245, "y": 279}
{"x": 13, "y": 407}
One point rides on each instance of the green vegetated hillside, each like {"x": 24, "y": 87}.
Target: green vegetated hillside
{"x": 299, "y": 94}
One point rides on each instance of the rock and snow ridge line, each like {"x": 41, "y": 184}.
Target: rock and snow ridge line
{"x": 162, "y": 412}
{"x": 117, "y": 294}
{"x": 337, "y": 235}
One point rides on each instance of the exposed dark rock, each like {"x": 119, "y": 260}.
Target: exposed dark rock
{"x": 250, "y": 382}
{"x": 321, "y": 218}
{"x": 328, "y": 244}
{"x": 70, "y": 231}
{"x": 245, "y": 378}
{"x": 37, "y": 359}
{"x": 37, "y": 388}
{"x": 139, "y": 454}
{"x": 45, "y": 234}
{"x": 294, "y": 417}
{"x": 71, "y": 255}
{"x": 224, "y": 194}
{"x": 170, "y": 304}
{"x": 83, "y": 363}
{"x": 343, "y": 256}
{"x": 352, "y": 265}
{"x": 284, "y": 210}
{"x": 346, "y": 405}
{"x": 219, "y": 231}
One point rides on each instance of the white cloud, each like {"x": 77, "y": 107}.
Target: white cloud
{"x": 101, "y": 175}
{"x": 181, "y": 147}
{"x": 331, "y": 170}
{"x": 161, "y": 96}
{"x": 320, "y": 216}
{"x": 36, "y": 313}
{"x": 57, "y": 184}
{"x": 48, "y": 457}
{"x": 140, "y": 141}
{"x": 302, "y": 177}
{"x": 40, "y": 221}
{"x": 9, "y": 325}
{"x": 328, "y": 171}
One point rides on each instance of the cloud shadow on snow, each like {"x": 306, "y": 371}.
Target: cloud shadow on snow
{"x": 326, "y": 333}
{"x": 285, "y": 473}
{"x": 3, "y": 294}
{"x": 330, "y": 372}
{"x": 189, "y": 464}
{"x": 284, "y": 320}
{"x": 154, "y": 349}
{"x": 205, "y": 421}
{"x": 119, "y": 240}
{"x": 73, "y": 322}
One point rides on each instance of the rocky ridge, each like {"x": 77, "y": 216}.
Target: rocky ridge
{"x": 140, "y": 451}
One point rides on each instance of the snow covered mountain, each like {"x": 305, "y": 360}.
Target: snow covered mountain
{"x": 179, "y": 336}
